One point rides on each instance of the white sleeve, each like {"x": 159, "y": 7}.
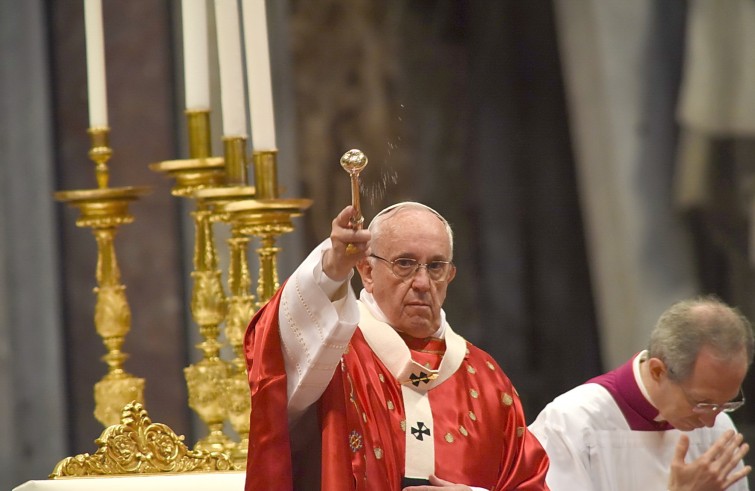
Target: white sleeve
{"x": 568, "y": 469}
{"x": 317, "y": 318}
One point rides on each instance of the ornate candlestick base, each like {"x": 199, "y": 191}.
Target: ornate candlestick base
{"x": 206, "y": 384}
{"x": 104, "y": 210}
{"x": 239, "y": 408}
{"x": 113, "y": 392}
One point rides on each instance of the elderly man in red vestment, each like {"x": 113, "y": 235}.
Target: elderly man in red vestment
{"x": 379, "y": 392}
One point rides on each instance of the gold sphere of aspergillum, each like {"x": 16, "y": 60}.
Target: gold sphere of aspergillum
{"x": 353, "y": 161}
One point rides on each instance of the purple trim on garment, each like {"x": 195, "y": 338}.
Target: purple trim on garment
{"x": 638, "y": 412}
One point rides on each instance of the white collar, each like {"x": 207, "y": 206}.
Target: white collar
{"x": 642, "y": 357}
{"x": 369, "y": 301}
{"x": 386, "y": 343}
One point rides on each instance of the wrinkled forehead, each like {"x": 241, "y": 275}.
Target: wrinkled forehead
{"x": 405, "y": 205}
{"x": 411, "y": 217}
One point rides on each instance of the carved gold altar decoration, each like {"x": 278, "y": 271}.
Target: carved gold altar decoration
{"x": 104, "y": 209}
{"x": 139, "y": 446}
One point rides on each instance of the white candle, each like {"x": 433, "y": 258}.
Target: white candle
{"x": 232, "y": 98}
{"x": 258, "y": 75}
{"x": 95, "y": 42}
{"x": 196, "y": 64}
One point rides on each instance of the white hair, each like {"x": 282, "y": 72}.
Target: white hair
{"x": 383, "y": 214}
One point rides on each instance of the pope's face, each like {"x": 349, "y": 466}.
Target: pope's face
{"x": 412, "y": 305}
{"x": 714, "y": 380}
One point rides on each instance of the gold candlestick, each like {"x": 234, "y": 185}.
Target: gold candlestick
{"x": 265, "y": 174}
{"x": 100, "y": 153}
{"x": 267, "y": 220}
{"x": 240, "y": 311}
{"x": 103, "y": 210}
{"x": 198, "y": 124}
{"x": 240, "y": 301}
{"x": 353, "y": 162}
{"x": 234, "y": 150}
{"x": 200, "y": 171}
{"x": 205, "y": 378}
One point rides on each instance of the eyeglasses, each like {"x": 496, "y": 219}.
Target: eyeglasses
{"x": 712, "y": 408}
{"x": 405, "y": 267}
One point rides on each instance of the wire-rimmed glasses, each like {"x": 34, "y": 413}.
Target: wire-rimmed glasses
{"x": 405, "y": 267}
{"x": 711, "y": 407}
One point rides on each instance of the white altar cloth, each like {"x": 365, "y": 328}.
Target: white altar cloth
{"x": 189, "y": 481}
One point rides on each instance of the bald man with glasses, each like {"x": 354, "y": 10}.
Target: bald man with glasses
{"x": 660, "y": 421}
{"x": 378, "y": 392}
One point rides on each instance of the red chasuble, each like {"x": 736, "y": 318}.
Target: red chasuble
{"x": 479, "y": 431}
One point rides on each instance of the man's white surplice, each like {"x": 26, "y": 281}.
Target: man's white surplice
{"x": 592, "y": 448}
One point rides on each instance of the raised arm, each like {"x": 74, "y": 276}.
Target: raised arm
{"x": 318, "y": 313}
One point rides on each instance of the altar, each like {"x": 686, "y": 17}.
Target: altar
{"x": 192, "y": 481}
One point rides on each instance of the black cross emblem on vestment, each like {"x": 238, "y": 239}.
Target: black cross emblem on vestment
{"x": 420, "y": 431}
{"x": 416, "y": 379}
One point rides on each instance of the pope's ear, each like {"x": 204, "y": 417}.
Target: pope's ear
{"x": 364, "y": 267}
{"x": 452, "y": 274}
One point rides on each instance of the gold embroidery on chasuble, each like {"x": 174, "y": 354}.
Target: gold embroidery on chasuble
{"x": 355, "y": 441}
{"x": 352, "y": 396}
